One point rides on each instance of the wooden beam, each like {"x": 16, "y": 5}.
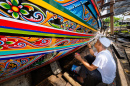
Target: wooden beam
{"x": 117, "y": 7}
{"x": 127, "y": 13}
{"x": 107, "y": 15}
{"x": 107, "y": 4}
{"x": 71, "y": 80}
{"x": 102, "y": 2}
{"x": 104, "y": 5}
{"x": 119, "y": 0}
{"x": 111, "y": 17}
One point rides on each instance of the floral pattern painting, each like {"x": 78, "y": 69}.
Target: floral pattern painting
{"x": 23, "y": 51}
{"x": 14, "y": 8}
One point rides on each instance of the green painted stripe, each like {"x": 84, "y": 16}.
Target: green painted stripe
{"x": 36, "y": 50}
{"x": 38, "y": 34}
{"x": 58, "y": 6}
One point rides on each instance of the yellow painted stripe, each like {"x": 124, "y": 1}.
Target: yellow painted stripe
{"x": 55, "y": 10}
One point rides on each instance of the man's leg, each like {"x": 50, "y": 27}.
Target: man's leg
{"x": 91, "y": 78}
{"x": 89, "y": 59}
{"x": 82, "y": 70}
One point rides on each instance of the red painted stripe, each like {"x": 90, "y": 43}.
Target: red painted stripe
{"x": 70, "y": 3}
{"x": 95, "y": 7}
{"x": 20, "y": 25}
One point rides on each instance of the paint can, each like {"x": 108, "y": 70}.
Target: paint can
{"x": 74, "y": 68}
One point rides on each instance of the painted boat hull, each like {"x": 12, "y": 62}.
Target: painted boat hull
{"x": 35, "y": 33}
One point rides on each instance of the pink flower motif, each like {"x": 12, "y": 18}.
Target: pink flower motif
{"x": 4, "y": 39}
{"x": 4, "y": 43}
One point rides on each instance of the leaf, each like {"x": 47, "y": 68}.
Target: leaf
{"x": 9, "y": 42}
{"x": 1, "y": 71}
{"x": 24, "y": 12}
{"x": 15, "y": 2}
{"x": 15, "y": 15}
{"x": 1, "y": 47}
{"x": 53, "y": 25}
{"x": 5, "y": 5}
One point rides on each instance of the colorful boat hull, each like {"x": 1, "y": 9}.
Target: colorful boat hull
{"x": 35, "y": 33}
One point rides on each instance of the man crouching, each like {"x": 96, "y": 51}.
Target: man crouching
{"x": 100, "y": 65}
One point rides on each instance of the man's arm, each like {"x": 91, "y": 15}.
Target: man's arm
{"x": 91, "y": 50}
{"x": 86, "y": 64}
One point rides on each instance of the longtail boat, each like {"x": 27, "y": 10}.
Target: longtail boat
{"x": 34, "y": 33}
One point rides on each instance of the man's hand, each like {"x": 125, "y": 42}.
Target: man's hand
{"x": 86, "y": 64}
{"x": 89, "y": 46}
{"x": 77, "y": 56}
{"x": 90, "y": 50}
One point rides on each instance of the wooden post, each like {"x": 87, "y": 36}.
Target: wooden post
{"x": 73, "y": 82}
{"x": 111, "y": 17}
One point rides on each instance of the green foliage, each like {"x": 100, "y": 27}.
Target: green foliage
{"x": 116, "y": 19}
{"x": 124, "y": 25}
{"x": 106, "y": 19}
{"x": 124, "y": 31}
{"x": 116, "y": 24}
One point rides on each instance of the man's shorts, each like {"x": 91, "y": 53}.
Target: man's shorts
{"x": 90, "y": 77}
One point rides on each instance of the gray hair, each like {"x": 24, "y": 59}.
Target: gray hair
{"x": 104, "y": 46}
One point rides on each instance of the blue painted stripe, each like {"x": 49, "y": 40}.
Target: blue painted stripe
{"x": 37, "y": 50}
{"x": 23, "y": 56}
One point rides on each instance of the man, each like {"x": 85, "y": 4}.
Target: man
{"x": 100, "y": 66}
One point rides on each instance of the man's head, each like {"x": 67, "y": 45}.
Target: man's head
{"x": 102, "y": 43}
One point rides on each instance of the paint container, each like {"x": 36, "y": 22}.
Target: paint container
{"x": 74, "y": 68}
{"x": 77, "y": 54}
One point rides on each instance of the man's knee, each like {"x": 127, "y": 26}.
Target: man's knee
{"x": 89, "y": 58}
